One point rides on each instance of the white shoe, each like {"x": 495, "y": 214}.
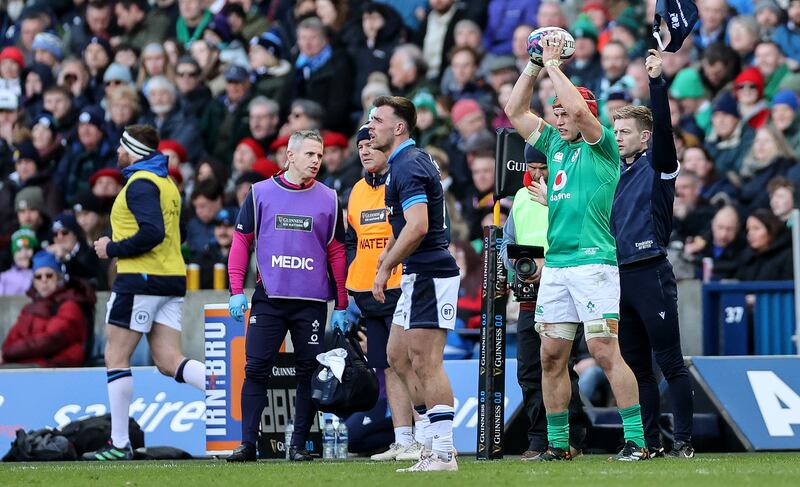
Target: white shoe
{"x": 430, "y": 462}
{"x": 391, "y": 454}
{"x": 411, "y": 453}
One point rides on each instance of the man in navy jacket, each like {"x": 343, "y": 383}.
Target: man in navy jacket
{"x": 641, "y": 221}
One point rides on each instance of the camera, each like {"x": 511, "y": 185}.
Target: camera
{"x": 524, "y": 268}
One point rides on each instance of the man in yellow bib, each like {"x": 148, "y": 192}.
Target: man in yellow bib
{"x": 368, "y": 233}
{"x": 147, "y": 294}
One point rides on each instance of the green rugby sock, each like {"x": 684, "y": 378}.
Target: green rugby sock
{"x": 632, "y": 424}
{"x": 558, "y": 430}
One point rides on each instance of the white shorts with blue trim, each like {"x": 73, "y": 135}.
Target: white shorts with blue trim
{"x": 427, "y": 302}
{"x": 138, "y": 312}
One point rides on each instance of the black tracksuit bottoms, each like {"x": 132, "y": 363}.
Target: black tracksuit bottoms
{"x": 649, "y": 326}
{"x": 270, "y": 319}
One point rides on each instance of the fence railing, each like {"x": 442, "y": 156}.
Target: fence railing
{"x": 749, "y": 318}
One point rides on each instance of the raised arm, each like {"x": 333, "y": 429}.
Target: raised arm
{"x": 665, "y": 157}
{"x": 518, "y": 106}
{"x": 568, "y": 95}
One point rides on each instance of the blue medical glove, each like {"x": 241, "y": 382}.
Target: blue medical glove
{"x": 339, "y": 319}
{"x": 237, "y": 305}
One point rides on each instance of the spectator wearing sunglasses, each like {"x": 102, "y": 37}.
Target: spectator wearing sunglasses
{"x": 195, "y": 100}
{"x": 748, "y": 87}
{"x": 51, "y": 330}
{"x": 71, "y": 250}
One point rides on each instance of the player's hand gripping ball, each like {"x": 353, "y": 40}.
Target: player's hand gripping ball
{"x": 537, "y": 38}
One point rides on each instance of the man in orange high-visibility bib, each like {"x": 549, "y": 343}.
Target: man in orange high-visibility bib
{"x": 368, "y": 234}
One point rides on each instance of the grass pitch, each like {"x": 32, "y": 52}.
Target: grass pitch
{"x": 758, "y": 470}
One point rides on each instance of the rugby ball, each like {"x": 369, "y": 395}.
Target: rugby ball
{"x": 536, "y": 43}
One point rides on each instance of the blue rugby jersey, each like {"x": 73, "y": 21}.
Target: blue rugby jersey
{"x": 413, "y": 179}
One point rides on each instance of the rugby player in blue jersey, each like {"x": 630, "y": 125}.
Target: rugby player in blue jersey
{"x": 429, "y": 284}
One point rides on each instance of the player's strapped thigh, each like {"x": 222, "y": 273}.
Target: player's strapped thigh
{"x": 564, "y": 331}
{"x": 606, "y": 327}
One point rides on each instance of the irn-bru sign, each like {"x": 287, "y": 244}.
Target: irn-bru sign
{"x": 225, "y": 355}
{"x": 225, "y": 360}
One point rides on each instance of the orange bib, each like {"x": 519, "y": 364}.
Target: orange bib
{"x": 367, "y": 216}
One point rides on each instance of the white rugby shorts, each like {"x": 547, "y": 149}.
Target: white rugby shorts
{"x": 578, "y": 294}
{"x": 427, "y": 302}
{"x": 138, "y": 312}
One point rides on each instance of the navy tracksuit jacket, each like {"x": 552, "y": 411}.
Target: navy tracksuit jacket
{"x": 641, "y": 221}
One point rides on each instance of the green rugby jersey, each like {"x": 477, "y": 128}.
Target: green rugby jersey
{"x": 580, "y": 191}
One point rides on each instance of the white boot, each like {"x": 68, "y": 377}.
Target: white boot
{"x": 411, "y": 453}
{"x": 430, "y": 462}
{"x": 391, "y": 454}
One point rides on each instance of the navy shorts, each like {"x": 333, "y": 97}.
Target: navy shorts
{"x": 377, "y": 339}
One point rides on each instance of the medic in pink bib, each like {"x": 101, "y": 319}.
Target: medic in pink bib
{"x": 296, "y": 225}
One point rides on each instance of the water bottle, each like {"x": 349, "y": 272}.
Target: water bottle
{"x": 328, "y": 441}
{"x": 287, "y": 439}
{"x": 342, "y": 441}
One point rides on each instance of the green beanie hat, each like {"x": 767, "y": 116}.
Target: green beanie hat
{"x": 629, "y": 20}
{"x": 687, "y": 84}
{"x": 24, "y": 237}
{"x": 425, "y": 100}
{"x": 583, "y": 27}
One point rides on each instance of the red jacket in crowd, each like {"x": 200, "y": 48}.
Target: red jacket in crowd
{"x": 52, "y": 331}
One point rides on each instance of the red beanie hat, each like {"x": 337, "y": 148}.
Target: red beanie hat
{"x": 107, "y": 172}
{"x": 462, "y": 108}
{"x": 253, "y": 145}
{"x": 266, "y": 167}
{"x": 175, "y": 147}
{"x": 587, "y": 95}
{"x": 751, "y": 75}
{"x": 282, "y": 141}
{"x": 596, "y": 5}
{"x": 13, "y": 54}
{"x": 334, "y": 139}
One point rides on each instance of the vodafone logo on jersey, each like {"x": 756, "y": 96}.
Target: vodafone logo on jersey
{"x": 560, "y": 181}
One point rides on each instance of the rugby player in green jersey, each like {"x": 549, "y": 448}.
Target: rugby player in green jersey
{"x": 580, "y": 279}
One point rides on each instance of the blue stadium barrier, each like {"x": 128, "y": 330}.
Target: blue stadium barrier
{"x": 732, "y": 327}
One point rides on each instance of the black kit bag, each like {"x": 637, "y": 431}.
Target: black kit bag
{"x": 358, "y": 390}
{"x": 91, "y": 434}
{"x": 43, "y": 445}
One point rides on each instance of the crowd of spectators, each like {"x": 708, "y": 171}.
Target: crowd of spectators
{"x": 226, "y": 82}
